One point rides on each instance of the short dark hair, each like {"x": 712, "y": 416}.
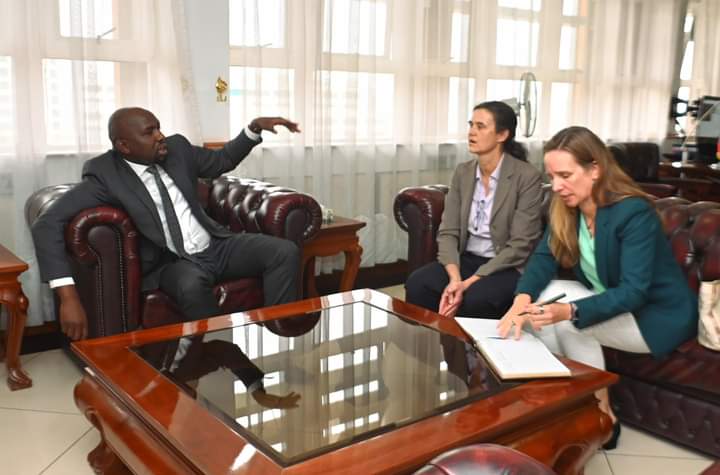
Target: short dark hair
{"x": 505, "y": 119}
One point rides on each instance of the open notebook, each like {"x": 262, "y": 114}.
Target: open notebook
{"x": 527, "y": 357}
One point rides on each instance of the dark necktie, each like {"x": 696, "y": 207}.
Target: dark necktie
{"x": 170, "y": 216}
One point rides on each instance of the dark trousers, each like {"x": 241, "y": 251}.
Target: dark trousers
{"x": 489, "y": 297}
{"x": 190, "y": 282}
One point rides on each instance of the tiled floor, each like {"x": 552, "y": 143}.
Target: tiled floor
{"x": 44, "y": 433}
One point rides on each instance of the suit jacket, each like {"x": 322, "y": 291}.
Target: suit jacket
{"x": 108, "y": 180}
{"x": 636, "y": 265}
{"x": 515, "y": 220}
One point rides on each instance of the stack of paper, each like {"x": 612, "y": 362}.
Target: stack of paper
{"x": 527, "y": 357}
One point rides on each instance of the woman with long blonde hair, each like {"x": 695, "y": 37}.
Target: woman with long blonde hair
{"x": 630, "y": 294}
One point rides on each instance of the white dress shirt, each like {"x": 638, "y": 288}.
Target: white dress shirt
{"x": 195, "y": 237}
{"x": 479, "y": 239}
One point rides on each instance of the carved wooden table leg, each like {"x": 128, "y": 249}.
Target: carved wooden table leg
{"x": 352, "y": 264}
{"x": 12, "y": 296}
{"x": 333, "y": 238}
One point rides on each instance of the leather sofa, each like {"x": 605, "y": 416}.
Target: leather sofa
{"x": 102, "y": 244}
{"x": 678, "y": 397}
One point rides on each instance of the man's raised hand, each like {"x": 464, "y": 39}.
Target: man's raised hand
{"x": 268, "y": 123}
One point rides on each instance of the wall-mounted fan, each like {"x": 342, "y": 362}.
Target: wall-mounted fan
{"x": 525, "y": 104}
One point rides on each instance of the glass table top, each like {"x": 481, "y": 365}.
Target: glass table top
{"x": 305, "y": 385}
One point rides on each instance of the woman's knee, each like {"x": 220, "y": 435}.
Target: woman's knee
{"x": 420, "y": 279}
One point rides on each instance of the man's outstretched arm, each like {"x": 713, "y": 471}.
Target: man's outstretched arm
{"x": 213, "y": 163}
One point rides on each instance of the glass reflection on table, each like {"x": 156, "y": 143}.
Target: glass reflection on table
{"x": 301, "y": 386}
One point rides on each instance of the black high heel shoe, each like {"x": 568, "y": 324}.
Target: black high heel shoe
{"x": 613, "y": 441}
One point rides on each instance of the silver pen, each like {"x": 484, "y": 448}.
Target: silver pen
{"x": 545, "y": 302}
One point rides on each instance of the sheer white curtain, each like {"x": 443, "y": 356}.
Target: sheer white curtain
{"x": 376, "y": 89}
{"x": 631, "y": 67}
{"x": 383, "y": 88}
{"x": 65, "y": 65}
{"x": 706, "y": 71}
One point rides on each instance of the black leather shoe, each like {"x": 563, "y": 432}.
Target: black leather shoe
{"x": 613, "y": 441}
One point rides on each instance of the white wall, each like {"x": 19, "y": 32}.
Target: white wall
{"x": 208, "y": 38}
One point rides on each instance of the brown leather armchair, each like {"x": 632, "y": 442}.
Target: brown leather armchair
{"x": 103, "y": 247}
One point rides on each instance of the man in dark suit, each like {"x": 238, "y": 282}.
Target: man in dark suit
{"x": 182, "y": 251}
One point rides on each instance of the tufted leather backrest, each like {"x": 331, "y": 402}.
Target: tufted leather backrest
{"x": 418, "y": 211}
{"x": 694, "y": 233}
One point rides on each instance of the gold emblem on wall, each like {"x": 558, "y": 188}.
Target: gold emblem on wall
{"x": 221, "y": 86}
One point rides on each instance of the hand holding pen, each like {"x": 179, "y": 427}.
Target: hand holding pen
{"x": 538, "y": 314}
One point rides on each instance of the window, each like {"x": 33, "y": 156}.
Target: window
{"x": 570, "y": 8}
{"x": 517, "y": 42}
{"x": 258, "y": 92}
{"x": 251, "y": 25}
{"x": 560, "y": 105}
{"x": 686, "y": 73}
{"x": 64, "y": 102}
{"x": 568, "y": 41}
{"x": 7, "y": 111}
{"x": 461, "y": 100}
{"x": 355, "y": 27}
{"x": 366, "y": 80}
{"x": 353, "y": 99}
{"x": 534, "y": 5}
{"x": 86, "y": 18}
{"x": 460, "y": 37}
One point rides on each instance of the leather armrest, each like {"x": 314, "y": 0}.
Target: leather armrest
{"x": 290, "y": 215}
{"x": 418, "y": 211}
{"x": 103, "y": 245}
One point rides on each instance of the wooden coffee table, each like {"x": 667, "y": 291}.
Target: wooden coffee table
{"x": 384, "y": 387}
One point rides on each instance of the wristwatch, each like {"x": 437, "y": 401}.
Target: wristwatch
{"x": 573, "y": 313}
{"x": 253, "y": 127}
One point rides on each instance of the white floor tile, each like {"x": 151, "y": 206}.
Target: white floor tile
{"x": 636, "y": 465}
{"x": 33, "y": 440}
{"x": 54, "y": 376}
{"x": 635, "y": 442}
{"x": 397, "y": 291}
{"x": 75, "y": 459}
{"x": 598, "y": 465}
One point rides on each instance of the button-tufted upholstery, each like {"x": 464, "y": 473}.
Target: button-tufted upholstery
{"x": 484, "y": 459}
{"x": 678, "y": 397}
{"x": 103, "y": 247}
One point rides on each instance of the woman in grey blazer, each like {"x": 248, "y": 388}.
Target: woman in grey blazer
{"x": 490, "y": 223}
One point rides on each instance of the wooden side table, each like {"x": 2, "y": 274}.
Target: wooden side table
{"x": 11, "y": 295}
{"x": 333, "y": 238}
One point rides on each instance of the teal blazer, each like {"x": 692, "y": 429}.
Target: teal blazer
{"x": 636, "y": 264}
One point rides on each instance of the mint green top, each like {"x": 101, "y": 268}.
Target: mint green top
{"x": 587, "y": 256}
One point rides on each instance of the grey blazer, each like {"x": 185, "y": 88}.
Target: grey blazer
{"x": 515, "y": 222}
